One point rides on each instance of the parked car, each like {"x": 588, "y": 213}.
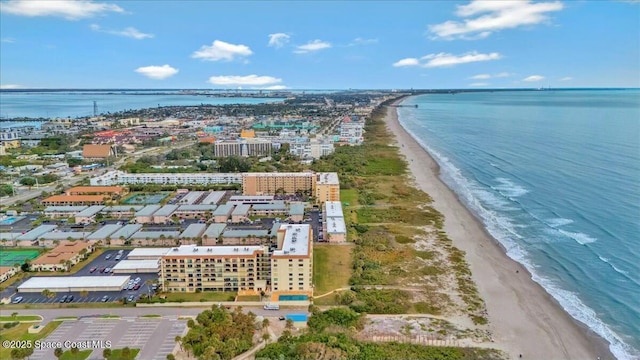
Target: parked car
{"x": 107, "y": 257}
{"x": 136, "y": 286}
{"x": 131, "y": 298}
{"x": 107, "y": 270}
{"x": 63, "y": 299}
{"x": 105, "y": 298}
{"x": 69, "y": 298}
{"x": 93, "y": 269}
{"x": 17, "y": 299}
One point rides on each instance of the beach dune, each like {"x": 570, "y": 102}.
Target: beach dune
{"x": 524, "y": 318}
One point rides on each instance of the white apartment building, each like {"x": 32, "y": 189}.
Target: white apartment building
{"x": 121, "y": 177}
{"x": 352, "y": 131}
{"x": 311, "y": 149}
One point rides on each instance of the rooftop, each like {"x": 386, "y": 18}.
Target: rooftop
{"x": 186, "y": 250}
{"x": 63, "y": 235}
{"x": 166, "y": 210}
{"x": 328, "y": 179}
{"x": 193, "y": 231}
{"x": 242, "y": 209}
{"x": 155, "y": 234}
{"x": 124, "y": 265}
{"x": 333, "y": 209}
{"x": 68, "y": 208}
{"x": 90, "y": 211}
{"x": 270, "y": 206}
{"x": 74, "y": 198}
{"x": 122, "y": 208}
{"x": 191, "y": 197}
{"x": 225, "y": 209}
{"x": 244, "y": 233}
{"x": 335, "y": 225}
{"x": 53, "y": 282}
{"x": 148, "y": 210}
{"x": 214, "y": 230}
{"x": 201, "y": 207}
{"x": 214, "y": 198}
{"x": 104, "y": 232}
{"x": 148, "y": 252}
{"x": 96, "y": 151}
{"x": 126, "y": 231}
{"x": 95, "y": 189}
{"x": 37, "y": 232}
{"x": 296, "y": 209}
{"x": 296, "y": 240}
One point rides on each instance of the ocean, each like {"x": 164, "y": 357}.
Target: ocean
{"x": 80, "y": 103}
{"x": 555, "y": 177}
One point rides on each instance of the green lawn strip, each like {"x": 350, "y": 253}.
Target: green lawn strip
{"x": 119, "y": 354}
{"x": 21, "y": 333}
{"x": 80, "y": 355}
{"x": 332, "y": 267}
{"x": 201, "y": 296}
{"x": 20, "y": 318}
{"x": 151, "y": 316}
{"x": 248, "y": 298}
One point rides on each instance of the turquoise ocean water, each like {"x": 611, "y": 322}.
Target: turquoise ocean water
{"x": 80, "y": 103}
{"x": 555, "y": 178}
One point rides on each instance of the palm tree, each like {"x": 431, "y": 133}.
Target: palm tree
{"x": 84, "y": 293}
{"x": 178, "y": 339}
{"x": 58, "y": 352}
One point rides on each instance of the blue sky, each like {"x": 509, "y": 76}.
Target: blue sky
{"x": 319, "y": 45}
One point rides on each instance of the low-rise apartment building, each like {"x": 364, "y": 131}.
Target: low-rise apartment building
{"x": 63, "y": 256}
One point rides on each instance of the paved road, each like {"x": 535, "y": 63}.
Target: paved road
{"x": 129, "y": 312}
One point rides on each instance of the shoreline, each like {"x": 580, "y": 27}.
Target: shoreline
{"x": 523, "y": 317}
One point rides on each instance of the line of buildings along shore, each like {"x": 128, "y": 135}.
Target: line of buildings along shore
{"x": 223, "y": 251}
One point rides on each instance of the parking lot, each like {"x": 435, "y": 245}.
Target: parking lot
{"x": 154, "y": 337}
{"x": 99, "y": 264}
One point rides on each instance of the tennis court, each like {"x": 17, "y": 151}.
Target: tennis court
{"x": 11, "y": 257}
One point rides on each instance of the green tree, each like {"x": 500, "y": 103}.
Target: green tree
{"x": 74, "y": 350}
{"x": 126, "y": 352}
{"x": 58, "y": 352}
{"x": 233, "y": 164}
{"x": 106, "y": 353}
{"x": 28, "y": 181}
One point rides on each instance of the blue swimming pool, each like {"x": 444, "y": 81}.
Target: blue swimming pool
{"x": 297, "y": 317}
{"x": 293, "y": 297}
{"x": 10, "y": 220}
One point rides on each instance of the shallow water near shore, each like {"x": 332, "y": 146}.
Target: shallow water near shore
{"x": 554, "y": 176}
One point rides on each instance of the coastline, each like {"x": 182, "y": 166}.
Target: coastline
{"x": 523, "y": 317}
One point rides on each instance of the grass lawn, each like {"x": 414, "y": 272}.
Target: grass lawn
{"x": 21, "y": 332}
{"x": 116, "y": 354}
{"x": 20, "y": 318}
{"x": 332, "y": 267}
{"x": 248, "y": 298}
{"x": 151, "y": 316}
{"x": 349, "y": 196}
{"x": 203, "y": 296}
{"x": 80, "y": 355}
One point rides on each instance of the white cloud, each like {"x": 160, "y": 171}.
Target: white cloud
{"x": 8, "y": 40}
{"x": 482, "y": 18}
{"x": 567, "y": 78}
{"x": 445, "y": 59}
{"x": 362, "y": 41}
{"x": 503, "y": 74}
{"x": 275, "y": 87}
{"x": 314, "y": 45}
{"x": 68, "y": 9}
{"x": 479, "y": 84}
{"x": 278, "y": 40}
{"x": 481, "y": 77}
{"x": 248, "y": 80}
{"x": 407, "y": 62}
{"x": 533, "y": 78}
{"x": 220, "y": 50}
{"x": 130, "y": 32}
{"x": 157, "y": 72}
{"x": 11, "y": 86}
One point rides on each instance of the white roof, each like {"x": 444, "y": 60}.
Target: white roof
{"x": 122, "y": 208}
{"x": 148, "y": 210}
{"x": 335, "y": 225}
{"x": 166, "y": 210}
{"x": 191, "y": 197}
{"x": 200, "y": 207}
{"x": 333, "y": 209}
{"x": 126, "y": 231}
{"x": 296, "y": 240}
{"x": 65, "y": 208}
{"x": 148, "y": 252}
{"x": 104, "y": 232}
{"x": 44, "y": 282}
{"x": 214, "y": 230}
{"x": 137, "y": 264}
{"x": 328, "y": 178}
{"x": 214, "y": 198}
{"x": 37, "y": 232}
{"x": 225, "y": 209}
{"x": 9, "y": 235}
{"x": 63, "y": 235}
{"x": 242, "y": 209}
{"x": 155, "y": 234}
{"x": 90, "y": 211}
{"x": 213, "y": 250}
{"x": 193, "y": 230}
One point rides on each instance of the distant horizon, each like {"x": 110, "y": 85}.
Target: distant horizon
{"x": 319, "y": 89}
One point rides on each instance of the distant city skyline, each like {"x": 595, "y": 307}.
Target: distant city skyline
{"x": 318, "y": 45}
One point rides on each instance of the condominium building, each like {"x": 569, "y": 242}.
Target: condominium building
{"x": 121, "y": 177}
{"x": 215, "y": 268}
{"x": 273, "y": 183}
{"x": 327, "y": 187}
{"x": 292, "y": 263}
{"x": 251, "y": 147}
{"x": 289, "y": 268}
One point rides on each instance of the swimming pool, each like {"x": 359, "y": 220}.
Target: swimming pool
{"x": 10, "y": 220}
{"x": 297, "y": 317}
{"x": 293, "y": 298}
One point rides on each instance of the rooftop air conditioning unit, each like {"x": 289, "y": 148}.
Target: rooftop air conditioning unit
{"x": 195, "y": 249}
{"x": 210, "y": 250}
{"x": 175, "y": 249}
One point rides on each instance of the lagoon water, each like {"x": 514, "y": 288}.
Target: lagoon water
{"x": 80, "y": 103}
{"x": 555, "y": 178}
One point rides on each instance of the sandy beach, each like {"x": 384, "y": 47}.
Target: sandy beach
{"x": 523, "y": 317}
